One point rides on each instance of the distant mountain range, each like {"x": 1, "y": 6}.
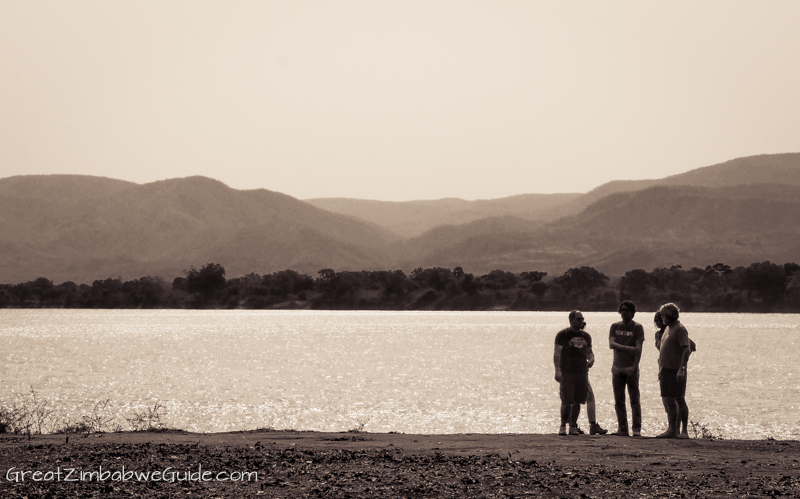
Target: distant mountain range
{"x": 413, "y": 218}
{"x": 655, "y": 227}
{"x": 82, "y": 228}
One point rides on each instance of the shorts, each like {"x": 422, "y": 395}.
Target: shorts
{"x": 671, "y": 386}
{"x": 574, "y": 388}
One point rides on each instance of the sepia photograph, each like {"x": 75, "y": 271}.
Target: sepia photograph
{"x": 356, "y": 249}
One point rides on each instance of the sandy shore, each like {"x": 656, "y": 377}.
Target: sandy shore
{"x": 312, "y": 464}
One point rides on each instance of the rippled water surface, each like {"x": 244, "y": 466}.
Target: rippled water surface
{"x": 411, "y": 372}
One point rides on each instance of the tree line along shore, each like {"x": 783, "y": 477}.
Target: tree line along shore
{"x": 759, "y": 287}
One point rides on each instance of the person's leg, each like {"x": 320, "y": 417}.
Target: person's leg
{"x": 683, "y": 418}
{"x": 575, "y": 411}
{"x": 591, "y": 409}
{"x": 670, "y": 391}
{"x": 683, "y": 411}
{"x": 591, "y": 412}
{"x": 672, "y": 418}
{"x": 618, "y": 384}
{"x": 565, "y": 411}
{"x": 636, "y": 406}
{"x": 675, "y": 417}
{"x": 580, "y": 382}
{"x": 566, "y": 393}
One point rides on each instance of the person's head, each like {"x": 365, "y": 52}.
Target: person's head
{"x": 658, "y": 321}
{"x": 627, "y": 310}
{"x": 669, "y": 313}
{"x": 576, "y": 321}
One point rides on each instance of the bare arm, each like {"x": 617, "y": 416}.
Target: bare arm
{"x": 557, "y": 361}
{"x": 613, "y": 345}
{"x": 590, "y": 358}
{"x": 638, "y": 355}
{"x": 638, "y": 331}
{"x": 686, "y": 351}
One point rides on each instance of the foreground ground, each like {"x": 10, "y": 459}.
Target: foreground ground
{"x": 311, "y": 464}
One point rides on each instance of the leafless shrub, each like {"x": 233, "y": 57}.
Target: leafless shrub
{"x": 701, "y": 430}
{"x": 359, "y": 427}
{"x": 99, "y": 420}
{"x": 148, "y": 419}
{"x": 9, "y": 419}
{"x": 30, "y": 416}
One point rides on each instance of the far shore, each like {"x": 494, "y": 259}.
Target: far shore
{"x": 361, "y": 464}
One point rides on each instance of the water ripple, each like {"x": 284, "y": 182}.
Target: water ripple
{"x": 412, "y": 372}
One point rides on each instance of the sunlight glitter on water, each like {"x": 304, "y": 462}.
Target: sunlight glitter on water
{"x": 413, "y": 372}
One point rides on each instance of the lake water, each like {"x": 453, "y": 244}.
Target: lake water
{"x": 410, "y": 372}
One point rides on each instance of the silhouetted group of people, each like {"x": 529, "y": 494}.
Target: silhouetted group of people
{"x": 573, "y": 357}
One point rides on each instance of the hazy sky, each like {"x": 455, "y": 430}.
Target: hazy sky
{"x": 395, "y": 100}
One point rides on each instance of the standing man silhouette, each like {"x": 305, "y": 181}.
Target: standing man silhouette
{"x": 676, "y": 347}
{"x": 572, "y": 358}
{"x": 626, "y": 338}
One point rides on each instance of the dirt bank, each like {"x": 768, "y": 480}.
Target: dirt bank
{"x": 311, "y": 464}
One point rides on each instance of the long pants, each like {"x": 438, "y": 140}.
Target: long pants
{"x": 619, "y": 382}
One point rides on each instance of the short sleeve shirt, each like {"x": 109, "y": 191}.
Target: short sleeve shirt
{"x": 672, "y": 343}
{"x": 626, "y": 335}
{"x": 575, "y": 350}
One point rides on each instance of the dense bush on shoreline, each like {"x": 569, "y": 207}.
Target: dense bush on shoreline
{"x": 760, "y": 287}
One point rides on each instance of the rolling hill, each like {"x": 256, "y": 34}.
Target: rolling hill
{"x": 762, "y": 169}
{"x": 82, "y": 228}
{"x": 414, "y": 218}
{"x": 659, "y": 226}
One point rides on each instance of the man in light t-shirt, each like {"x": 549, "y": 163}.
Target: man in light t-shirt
{"x": 626, "y": 338}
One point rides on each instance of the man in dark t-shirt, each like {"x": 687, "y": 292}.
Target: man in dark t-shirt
{"x": 626, "y": 338}
{"x": 572, "y": 358}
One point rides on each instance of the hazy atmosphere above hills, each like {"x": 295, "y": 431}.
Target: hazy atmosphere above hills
{"x": 142, "y": 138}
{"x": 396, "y": 101}
{"x": 82, "y": 228}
